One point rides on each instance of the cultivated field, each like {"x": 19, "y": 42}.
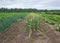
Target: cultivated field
{"x": 7, "y": 19}
{"x": 23, "y": 27}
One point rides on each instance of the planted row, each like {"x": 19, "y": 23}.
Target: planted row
{"x": 6, "y": 19}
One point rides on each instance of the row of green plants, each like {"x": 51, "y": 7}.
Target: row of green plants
{"x": 52, "y": 19}
{"x": 6, "y": 19}
{"x": 32, "y": 22}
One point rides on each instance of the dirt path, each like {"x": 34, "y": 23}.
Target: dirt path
{"x": 18, "y": 33}
{"x": 50, "y": 32}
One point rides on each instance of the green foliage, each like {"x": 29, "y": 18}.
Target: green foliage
{"x": 57, "y": 27}
{"x": 51, "y": 19}
{"x": 57, "y": 12}
{"x": 6, "y": 19}
{"x": 33, "y": 23}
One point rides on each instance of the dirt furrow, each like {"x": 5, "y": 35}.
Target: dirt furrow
{"x": 18, "y": 33}
{"x": 49, "y": 32}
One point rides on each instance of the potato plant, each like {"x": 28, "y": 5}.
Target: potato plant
{"x": 57, "y": 27}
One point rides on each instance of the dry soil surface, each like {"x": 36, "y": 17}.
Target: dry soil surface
{"x": 18, "y": 33}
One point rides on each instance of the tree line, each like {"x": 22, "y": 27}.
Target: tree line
{"x": 28, "y": 10}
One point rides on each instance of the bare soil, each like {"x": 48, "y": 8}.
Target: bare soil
{"x": 18, "y": 33}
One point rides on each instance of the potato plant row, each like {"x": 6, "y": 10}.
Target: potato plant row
{"x": 52, "y": 19}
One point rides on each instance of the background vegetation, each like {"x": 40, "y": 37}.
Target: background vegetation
{"x": 9, "y": 16}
